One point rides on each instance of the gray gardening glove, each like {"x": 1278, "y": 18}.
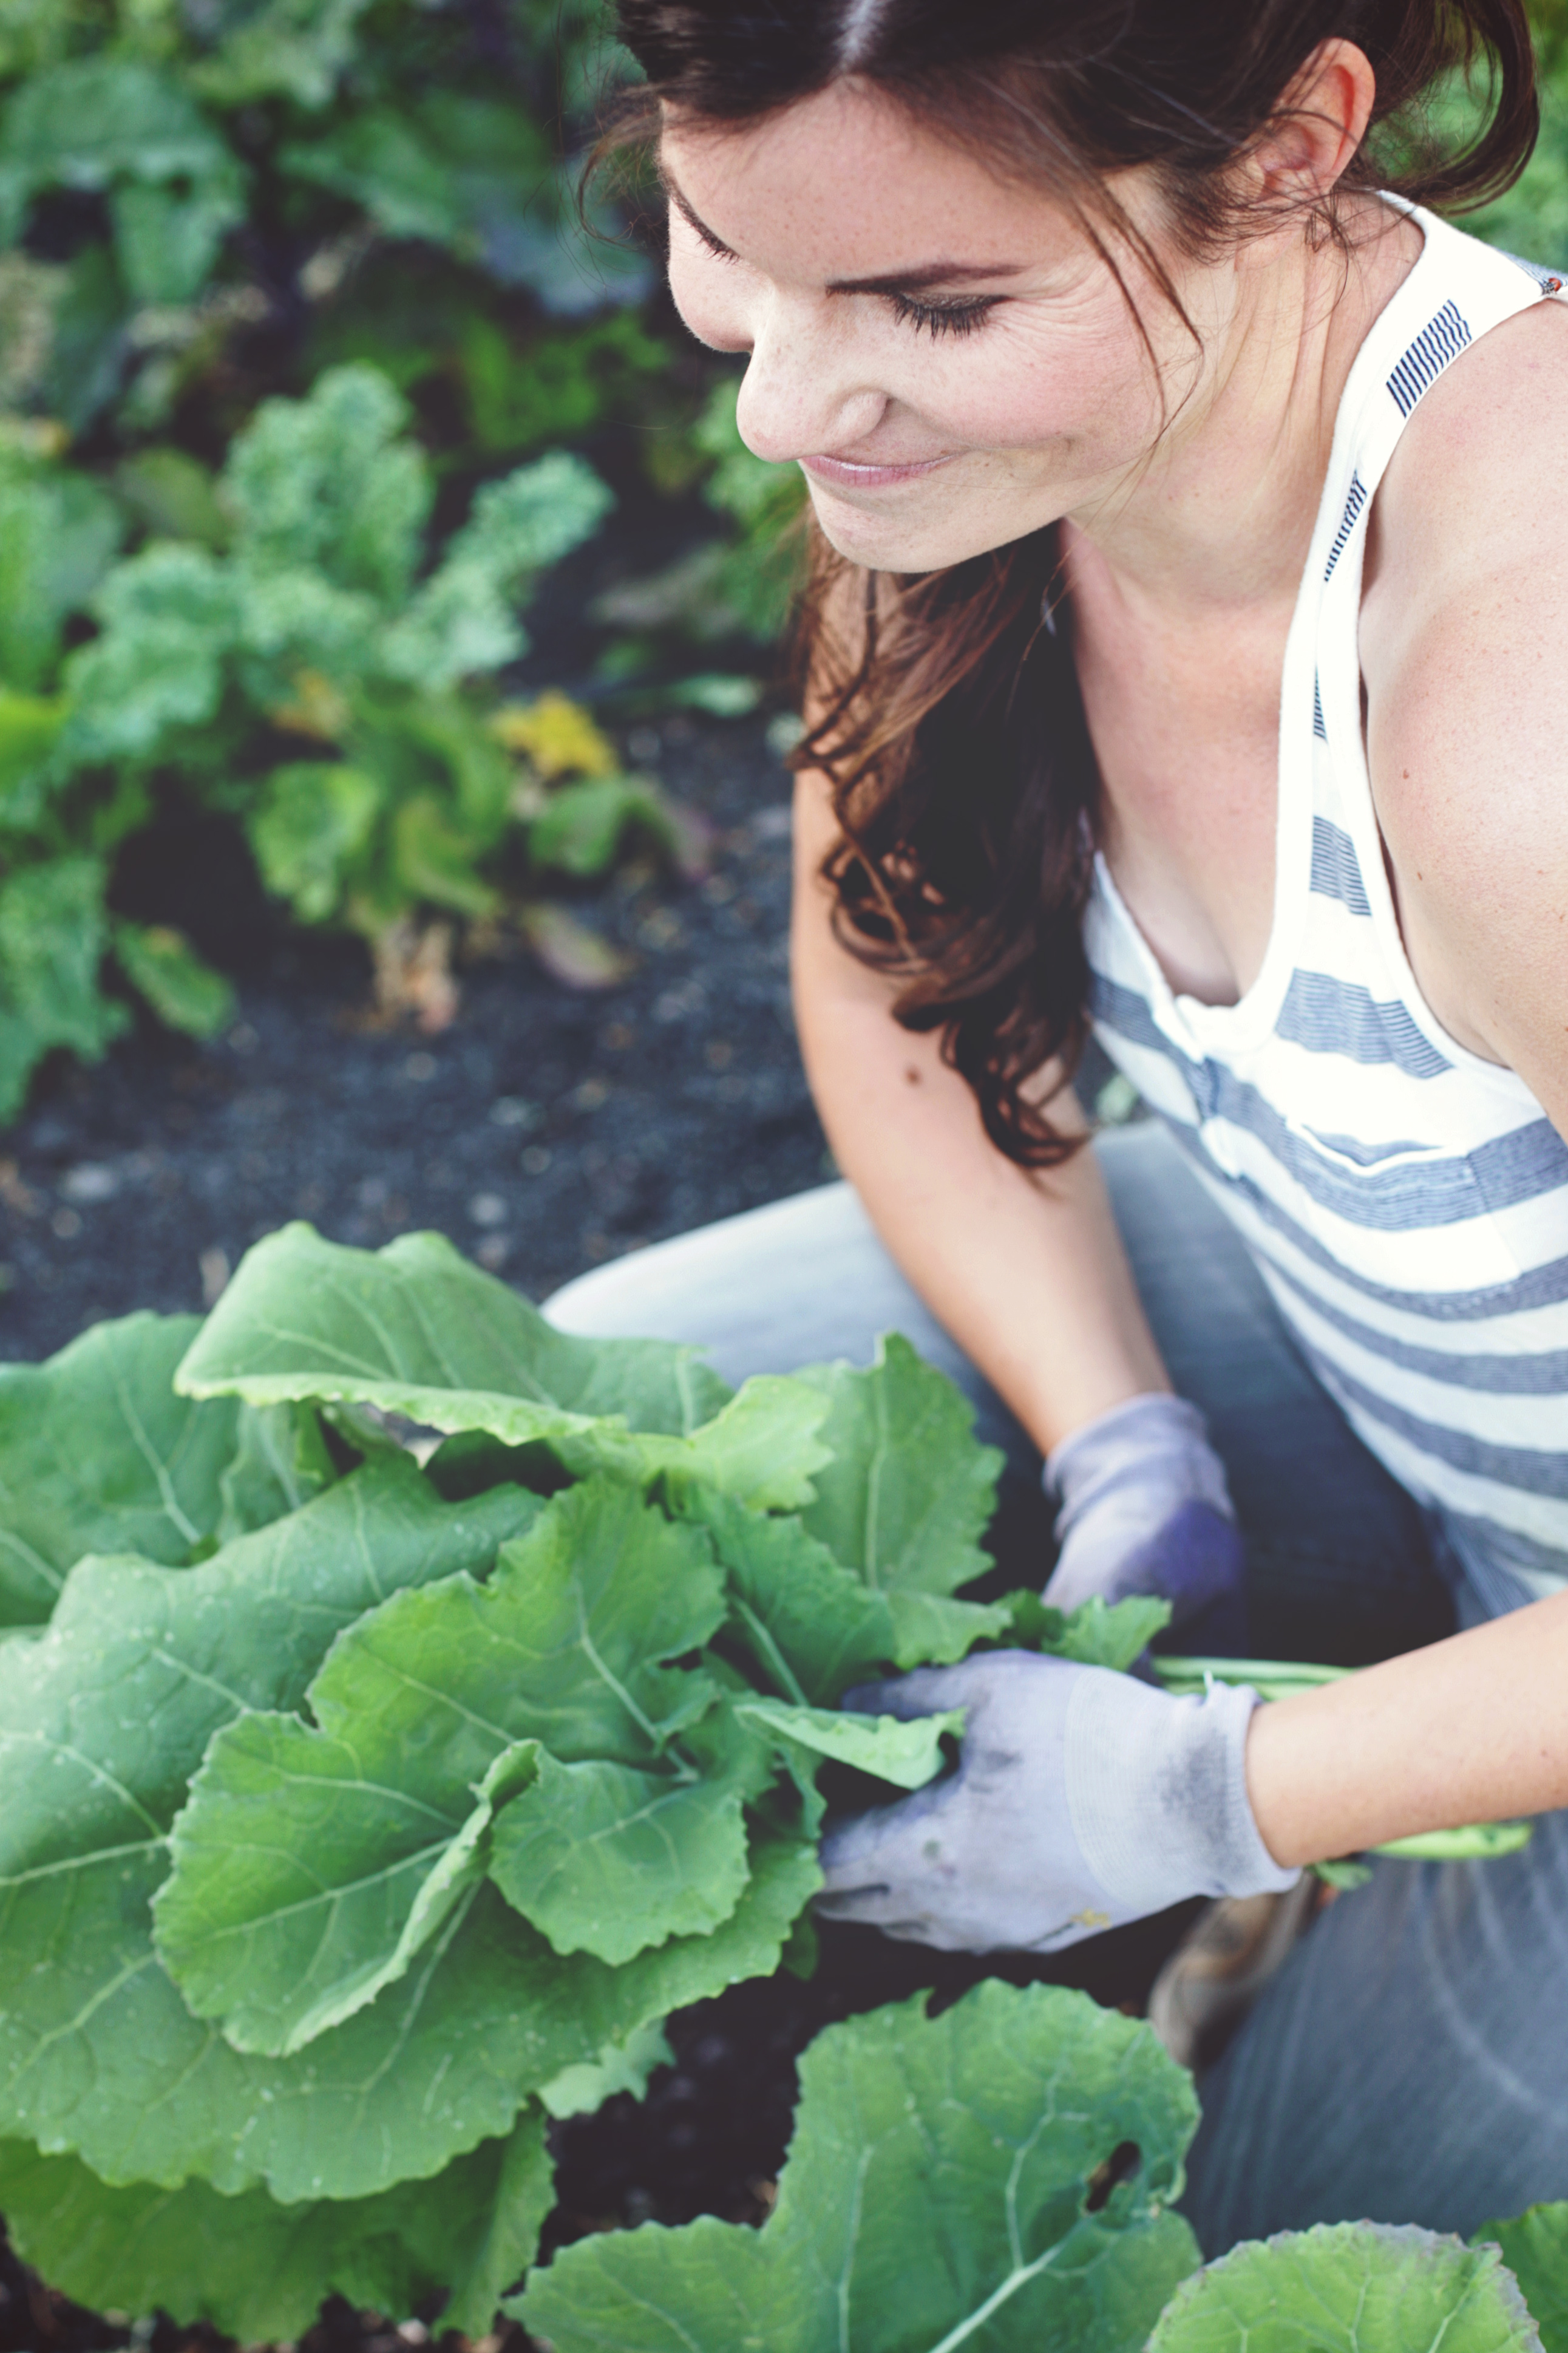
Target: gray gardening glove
{"x": 1082, "y": 1798}
{"x": 1145, "y": 1509}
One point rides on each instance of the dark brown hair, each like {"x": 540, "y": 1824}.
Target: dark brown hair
{"x": 963, "y": 776}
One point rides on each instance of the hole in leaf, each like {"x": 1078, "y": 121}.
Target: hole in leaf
{"x": 1121, "y": 2166}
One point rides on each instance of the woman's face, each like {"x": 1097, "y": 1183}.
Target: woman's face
{"x": 944, "y": 352}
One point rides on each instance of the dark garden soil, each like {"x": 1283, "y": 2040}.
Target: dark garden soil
{"x": 545, "y": 1131}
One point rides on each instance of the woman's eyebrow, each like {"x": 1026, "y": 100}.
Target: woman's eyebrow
{"x": 900, "y": 281}
{"x": 930, "y": 273}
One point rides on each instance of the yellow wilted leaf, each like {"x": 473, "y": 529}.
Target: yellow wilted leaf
{"x": 557, "y": 735}
{"x": 318, "y": 708}
{"x": 35, "y": 437}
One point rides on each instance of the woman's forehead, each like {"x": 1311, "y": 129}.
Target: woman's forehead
{"x": 847, "y": 184}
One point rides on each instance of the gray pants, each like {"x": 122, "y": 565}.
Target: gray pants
{"x": 1410, "y": 2063}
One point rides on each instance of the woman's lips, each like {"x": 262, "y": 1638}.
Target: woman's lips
{"x": 845, "y": 473}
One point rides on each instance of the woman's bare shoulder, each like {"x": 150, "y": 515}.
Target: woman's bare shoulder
{"x": 1479, "y": 477}
{"x": 1465, "y": 657}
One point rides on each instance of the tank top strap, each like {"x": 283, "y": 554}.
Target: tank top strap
{"x": 1456, "y": 291}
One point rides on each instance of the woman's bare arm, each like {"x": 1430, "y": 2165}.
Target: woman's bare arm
{"x": 1461, "y": 634}
{"x": 1474, "y": 1729}
{"x": 1027, "y": 1272}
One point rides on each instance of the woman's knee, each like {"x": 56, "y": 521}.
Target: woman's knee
{"x": 799, "y": 1281}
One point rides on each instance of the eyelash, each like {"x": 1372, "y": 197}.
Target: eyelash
{"x": 942, "y": 318}
{"x": 933, "y": 319}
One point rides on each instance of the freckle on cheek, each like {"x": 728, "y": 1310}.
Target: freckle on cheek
{"x": 912, "y": 1076}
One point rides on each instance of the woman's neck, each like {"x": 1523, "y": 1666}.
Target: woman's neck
{"x": 1221, "y": 512}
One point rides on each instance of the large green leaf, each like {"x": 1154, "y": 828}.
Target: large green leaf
{"x": 141, "y": 1664}
{"x": 933, "y": 1630}
{"x": 414, "y": 1329}
{"x": 470, "y": 174}
{"x": 1350, "y": 2287}
{"x": 811, "y": 1626}
{"x": 98, "y": 2054}
{"x": 258, "y": 2269}
{"x": 604, "y": 1859}
{"x": 102, "y": 1723}
{"x": 312, "y": 1863}
{"x": 97, "y": 1454}
{"x": 937, "y": 2194}
{"x": 1535, "y": 2249}
{"x": 166, "y": 240}
{"x": 379, "y": 159}
{"x": 910, "y": 1492}
{"x": 301, "y": 1886}
{"x": 814, "y": 1628}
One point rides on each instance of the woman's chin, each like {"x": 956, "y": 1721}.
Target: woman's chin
{"x": 906, "y": 541}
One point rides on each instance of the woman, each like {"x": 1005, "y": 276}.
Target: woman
{"x": 1184, "y": 657}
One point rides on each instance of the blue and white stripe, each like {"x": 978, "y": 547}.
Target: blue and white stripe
{"x": 1406, "y": 1202}
{"x": 1418, "y": 368}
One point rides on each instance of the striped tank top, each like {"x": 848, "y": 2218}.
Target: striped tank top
{"x": 1405, "y": 1201}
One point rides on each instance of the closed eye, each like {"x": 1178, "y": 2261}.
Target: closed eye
{"x": 705, "y": 236}
{"x": 936, "y": 319}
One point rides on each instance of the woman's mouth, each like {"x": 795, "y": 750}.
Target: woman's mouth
{"x": 849, "y": 474}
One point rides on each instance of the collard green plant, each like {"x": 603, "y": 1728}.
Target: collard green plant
{"x": 1350, "y": 2287}
{"x": 950, "y": 2183}
{"x": 947, "y": 2186}
{"x": 355, "y": 1815}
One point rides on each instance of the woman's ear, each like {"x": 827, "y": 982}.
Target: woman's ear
{"x": 1315, "y": 130}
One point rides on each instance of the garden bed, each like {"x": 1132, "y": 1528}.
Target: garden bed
{"x": 544, "y": 1131}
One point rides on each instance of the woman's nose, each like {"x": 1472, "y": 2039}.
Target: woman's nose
{"x": 803, "y": 393}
